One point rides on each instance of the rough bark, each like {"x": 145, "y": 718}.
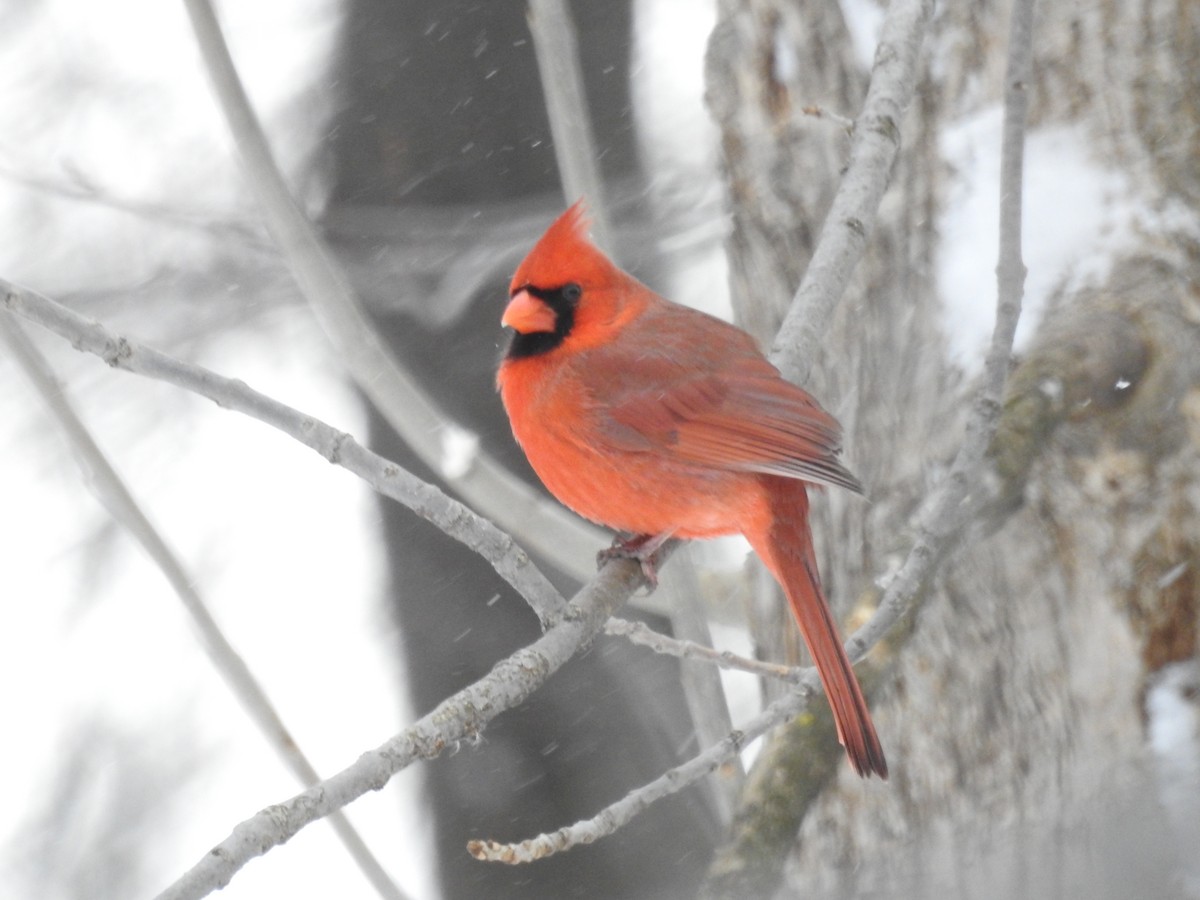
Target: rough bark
{"x": 1015, "y": 713}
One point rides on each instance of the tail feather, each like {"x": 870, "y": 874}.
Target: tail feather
{"x": 786, "y": 548}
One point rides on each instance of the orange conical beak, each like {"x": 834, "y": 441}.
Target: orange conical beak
{"x": 527, "y": 314}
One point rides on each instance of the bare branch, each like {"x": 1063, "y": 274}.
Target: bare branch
{"x": 459, "y": 718}
{"x": 557, "y": 52}
{"x": 1010, "y": 269}
{"x": 78, "y": 189}
{"x": 642, "y": 634}
{"x": 548, "y": 527}
{"x": 820, "y": 112}
{"x": 456, "y": 520}
{"x": 127, "y": 512}
{"x": 670, "y": 782}
{"x": 873, "y": 150}
{"x": 967, "y": 488}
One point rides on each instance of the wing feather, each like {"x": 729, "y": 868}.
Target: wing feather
{"x": 689, "y": 387}
{"x": 739, "y": 417}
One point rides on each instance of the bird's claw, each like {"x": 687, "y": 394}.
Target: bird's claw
{"x": 642, "y": 548}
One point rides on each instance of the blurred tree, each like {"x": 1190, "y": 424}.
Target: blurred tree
{"x": 442, "y": 143}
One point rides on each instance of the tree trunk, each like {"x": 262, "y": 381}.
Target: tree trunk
{"x": 1013, "y": 714}
{"x": 444, "y": 127}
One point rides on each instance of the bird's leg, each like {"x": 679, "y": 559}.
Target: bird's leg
{"x": 640, "y": 547}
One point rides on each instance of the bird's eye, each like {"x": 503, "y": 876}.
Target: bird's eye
{"x": 572, "y": 292}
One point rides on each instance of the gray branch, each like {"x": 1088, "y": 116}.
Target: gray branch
{"x": 459, "y": 718}
{"x": 548, "y": 527}
{"x": 642, "y": 634}
{"x": 557, "y": 52}
{"x": 874, "y": 146}
{"x": 431, "y": 504}
{"x": 127, "y": 512}
{"x": 670, "y": 782}
{"x": 969, "y": 486}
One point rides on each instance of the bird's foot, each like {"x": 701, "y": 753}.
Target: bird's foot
{"x": 640, "y": 547}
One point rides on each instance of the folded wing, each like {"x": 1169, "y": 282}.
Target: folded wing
{"x": 751, "y": 421}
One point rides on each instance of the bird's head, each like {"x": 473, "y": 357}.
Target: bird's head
{"x": 566, "y": 288}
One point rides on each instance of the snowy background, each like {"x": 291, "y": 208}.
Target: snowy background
{"x": 114, "y": 162}
{"x": 118, "y": 164}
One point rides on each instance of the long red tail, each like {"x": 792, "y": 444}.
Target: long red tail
{"x": 786, "y": 549}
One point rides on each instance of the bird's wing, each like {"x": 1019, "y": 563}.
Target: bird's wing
{"x": 734, "y": 415}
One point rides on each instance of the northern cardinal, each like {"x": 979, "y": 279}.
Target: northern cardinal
{"x": 651, "y": 418}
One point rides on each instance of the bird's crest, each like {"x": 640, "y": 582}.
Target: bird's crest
{"x": 564, "y": 253}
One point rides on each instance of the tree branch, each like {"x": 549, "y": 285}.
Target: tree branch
{"x": 673, "y": 780}
{"x": 642, "y": 634}
{"x": 874, "y": 147}
{"x": 459, "y": 718}
{"x": 969, "y": 486}
{"x": 549, "y": 529}
{"x": 74, "y": 187}
{"x": 431, "y": 504}
{"x": 110, "y": 489}
{"x": 557, "y": 52}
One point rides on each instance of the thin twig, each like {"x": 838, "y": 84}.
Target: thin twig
{"x": 431, "y": 504}
{"x": 670, "y": 782}
{"x": 486, "y": 485}
{"x": 642, "y": 634}
{"x": 127, "y": 512}
{"x": 557, "y": 50}
{"x": 242, "y": 233}
{"x": 1010, "y": 268}
{"x": 820, "y": 112}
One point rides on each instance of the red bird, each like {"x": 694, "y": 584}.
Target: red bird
{"x": 652, "y": 418}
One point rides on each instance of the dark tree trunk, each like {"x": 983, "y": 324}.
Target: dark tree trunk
{"x": 443, "y": 116}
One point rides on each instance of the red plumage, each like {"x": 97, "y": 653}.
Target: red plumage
{"x": 652, "y": 418}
